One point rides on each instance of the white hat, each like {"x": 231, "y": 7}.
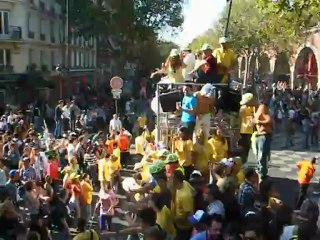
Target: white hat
{"x": 207, "y": 90}
{"x": 205, "y": 47}
{"x": 223, "y": 40}
{"x": 137, "y": 166}
{"x": 196, "y": 172}
{"x": 198, "y": 65}
{"x": 174, "y": 52}
{"x": 247, "y": 97}
{"x": 186, "y": 48}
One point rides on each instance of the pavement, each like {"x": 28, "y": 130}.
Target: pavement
{"x": 283, "y": 167}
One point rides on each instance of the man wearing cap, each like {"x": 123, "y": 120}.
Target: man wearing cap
{"x": 58, "y": 118}
{"x": 225, "y": 60}
{"x": 246, "y": 114}
{"x": 27, "y": 172}
{"x": 189, "y": 60}
{"x": 205, "y": 108}
{"x": 211, "y": 66}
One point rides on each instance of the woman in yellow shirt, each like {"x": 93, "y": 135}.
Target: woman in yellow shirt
{"x": 219, "y": 145}
{"x": 201, "y": 154}
{"x": 183, "y": 147}
{"x": 164, "y": 216}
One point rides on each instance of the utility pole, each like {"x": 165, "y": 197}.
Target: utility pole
{"x": 67, "y": 36}
{"x": 228, "y": 18}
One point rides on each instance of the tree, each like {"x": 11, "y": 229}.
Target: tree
{"x": 294, "y": 16}
{"x": 244, "y": 25}
{"x": 210, "y": 37}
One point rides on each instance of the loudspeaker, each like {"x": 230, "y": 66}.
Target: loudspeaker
{"x": 168, "y": 100}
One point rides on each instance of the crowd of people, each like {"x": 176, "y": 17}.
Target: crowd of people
{"x": 188, "y": 186}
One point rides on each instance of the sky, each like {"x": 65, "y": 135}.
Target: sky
{"x": 199, "y": 16}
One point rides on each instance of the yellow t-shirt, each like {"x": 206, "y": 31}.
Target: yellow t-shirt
{"x": 184, "y": 149}
{"x": 110, "y": 167}
{"x": 225, "y": 58}
{"x": 203, "y": 156}
{"x": 101, "y": 169}
{"x": 140, "y": 143}
{"x": 142, "y": 121}
{"x": 86, "y": 193}
{"x": 165, "y": 221}
{"x": 116, "y": 152}
{"x": 219, "y": 149}
{"x": 182, "y": 205}
{"x": 87, "y": 235}
{"x": 246, "y": 116}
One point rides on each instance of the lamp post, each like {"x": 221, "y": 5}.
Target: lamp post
{"x": 228, "y": 18}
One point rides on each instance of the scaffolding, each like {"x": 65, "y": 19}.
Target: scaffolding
{"x": 167, "y": 123}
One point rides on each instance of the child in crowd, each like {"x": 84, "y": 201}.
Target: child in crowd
{"x": 107, "y": 202}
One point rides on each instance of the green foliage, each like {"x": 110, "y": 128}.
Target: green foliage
{"x": 210, "y": 37}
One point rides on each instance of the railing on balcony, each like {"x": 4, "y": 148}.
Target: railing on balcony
{"x": 6, "y": 68}
{"x": 31, "y": 34}
{"x": 14, "y": 33}
{"x": 42, "y": 37}
{"x": 42, "y": 6}
{"x": 52, "y": 11}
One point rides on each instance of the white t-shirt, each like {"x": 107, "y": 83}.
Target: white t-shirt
{"x": 71, "y": 151}
{"x": 216, "y": 207}
{"x": 115, "y": 124}
{"x": 190, "y": 61}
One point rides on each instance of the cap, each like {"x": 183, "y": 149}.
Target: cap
{"x": 205, "y": 47}
{"x": 156, "y": 167}
{"x": 171, "y": 158}
{"x": 196, "y": 218}
{"x": 196, "y": 173}
{"x": 223, "y": 40}
{"x": 163, "y": 153}
{"x": 174, "y": 52}
{"x": 12, "y": 172}
{"x": 74, "y": 176}
{"x": 25, "y": 159}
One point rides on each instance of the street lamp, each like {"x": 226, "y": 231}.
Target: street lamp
{"x": 228, "y": 18}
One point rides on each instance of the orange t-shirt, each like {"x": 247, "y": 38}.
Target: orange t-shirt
{"x": 306, "y": 172}
{"x": 123, "y": 142}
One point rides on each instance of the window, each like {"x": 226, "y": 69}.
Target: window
{"x": 42, "y": 57}
{"x": 73, "y": 58}
{"x": 4, "y": 22}
{"x": 52, "y": 31}
{"x": 82, "y": 59}
{"x": 5, "y": 57}
{"x": 78, "y": 59}
{"x": 31, "y": 56}
{"x": 53, "y": 60}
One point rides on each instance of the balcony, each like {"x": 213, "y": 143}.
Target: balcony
{"x": 31, "y": 34}
{"x": 52, "y": 11}
{"x": 42, "y": 36}
{"x": 42, "y": 6}
{"x": 6, "y": 68}
{"x": 15, "y": 33}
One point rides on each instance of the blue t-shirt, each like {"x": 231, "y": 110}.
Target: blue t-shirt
{"x": 200, "y": 236}
{"x": 189, "y": 103}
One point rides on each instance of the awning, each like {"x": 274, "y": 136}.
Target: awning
{"x": 35, "y": 80}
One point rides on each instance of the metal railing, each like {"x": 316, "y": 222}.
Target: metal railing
{"x": 162, "y": 119}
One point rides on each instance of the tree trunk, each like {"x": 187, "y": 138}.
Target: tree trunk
{"x": 245, "y": 77}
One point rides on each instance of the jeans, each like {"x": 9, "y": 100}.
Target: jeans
{"x": 37, "y": 123}
{"x": 57, "y": 130}
{"x": 105, "y": 222}
{"x": 245, "y": 143}
{"x": 93, "y": 171}
{"x": 85, "y": 210}
{"x": 263, "y": 153}
{"x": 302, "y": 194}
{"x": 306, "y": 140}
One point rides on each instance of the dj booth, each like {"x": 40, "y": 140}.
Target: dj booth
{"x": 168, "y": 119}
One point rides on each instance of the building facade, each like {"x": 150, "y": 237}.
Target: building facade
{"x": 32, "y": 39}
